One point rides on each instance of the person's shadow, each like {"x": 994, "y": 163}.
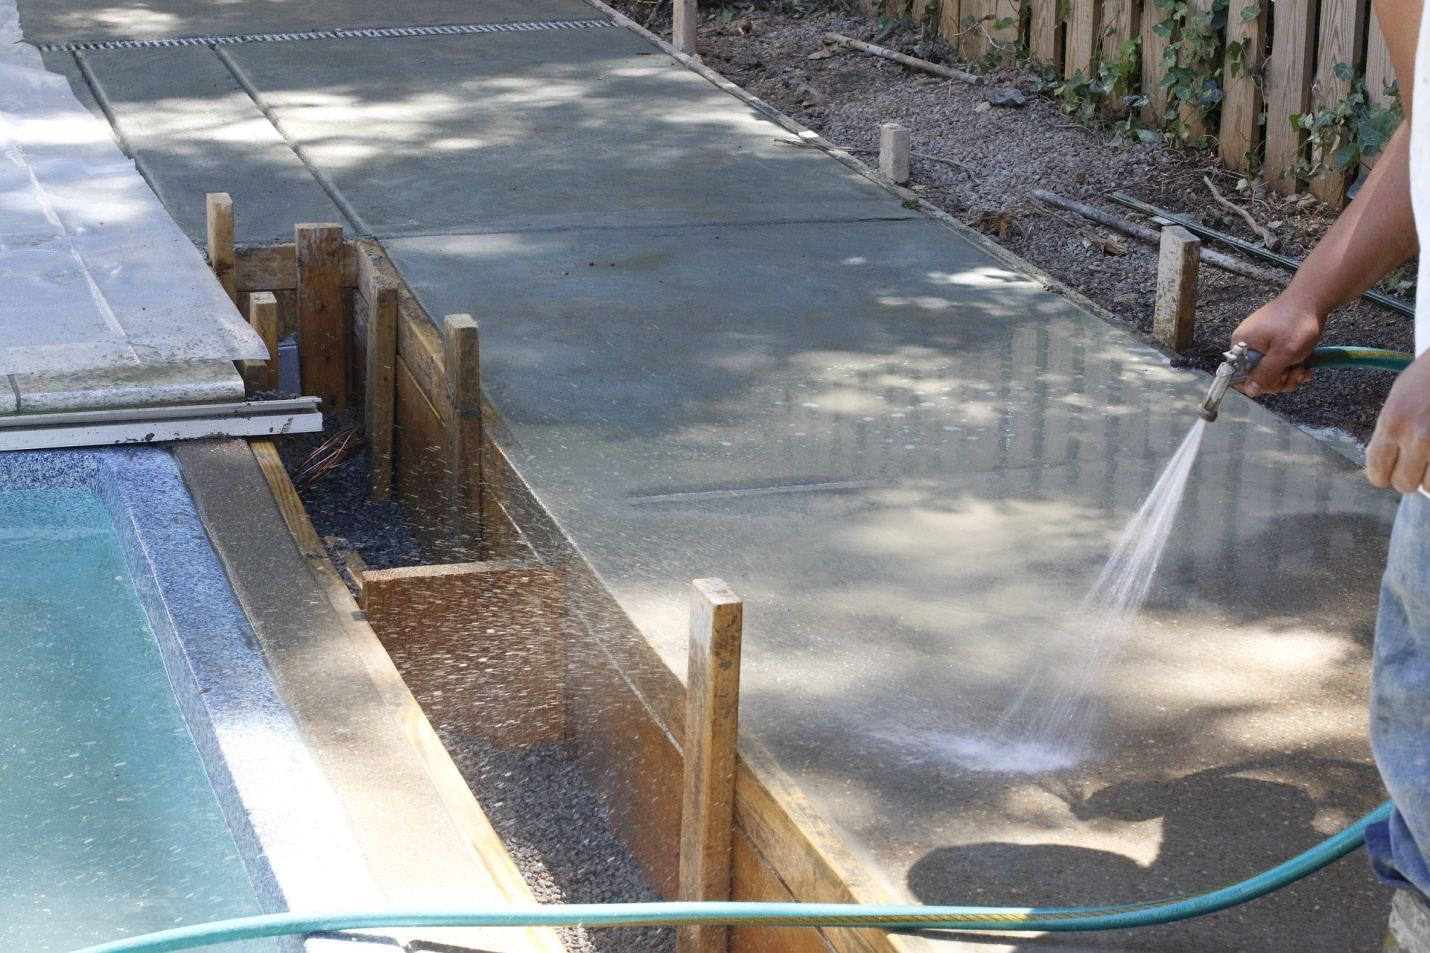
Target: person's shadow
{"x": 1218, "y": 827}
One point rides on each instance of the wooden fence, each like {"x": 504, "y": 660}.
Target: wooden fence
{"x": 1292, "y": 51}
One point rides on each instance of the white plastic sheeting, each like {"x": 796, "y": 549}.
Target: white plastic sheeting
{"x": 98, "y": 278}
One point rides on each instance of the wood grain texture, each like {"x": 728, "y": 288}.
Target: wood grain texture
{"x": 685, "y": 20}
{"x": 323, "y": 335}
{"x": 1342, "y": 34}
{"x": 1379, "y": 71}
{"x": 463, "y": 425}
{"x": 479, "y": 644}
{"x": 711, "y": 736}
{"x": 275, "y": 267}
{"x": 263, "y": 316}
{"x": 419, "y": 457}
{"x": 218, "y": 209}
{"x": 380, "y": 383}
{"x": 753, "y": 880}
{"x": 1174, "y": 313}
{"x": 1288, "y": 89}
{"x": 1239, "y": 137}
{"x": 1045, "y": 33}
{"x": 1084, "y": 35}
{"x": 1121, "y": 20}
{"x": 1194, "y": 127}
{"x": 1154, "y": 48}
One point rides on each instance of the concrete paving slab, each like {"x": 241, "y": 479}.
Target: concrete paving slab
{"x": 536, "y": 130}
{"x": 58, "y": 21}
{"x": 912, "y": 462}
{"x": 191, "y": 130}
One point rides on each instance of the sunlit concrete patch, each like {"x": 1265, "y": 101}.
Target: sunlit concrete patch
{"x": 535, "y": 130}
{"x": 53, "y": 21}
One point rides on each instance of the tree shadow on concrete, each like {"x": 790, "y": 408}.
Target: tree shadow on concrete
{"x": 1216, "y": 824}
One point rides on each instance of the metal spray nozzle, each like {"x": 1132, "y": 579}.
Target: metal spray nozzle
{"x": 1239, "y": 363}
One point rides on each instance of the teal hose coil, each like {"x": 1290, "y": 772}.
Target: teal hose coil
{"x": 1369, "y": 358}
{"x": 741, "y": 913}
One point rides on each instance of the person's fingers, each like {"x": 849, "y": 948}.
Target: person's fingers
{"x": 1409, "y": 472}
{"x": 1380, "y": 459}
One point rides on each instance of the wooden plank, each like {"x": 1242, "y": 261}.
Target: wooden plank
{"x": 219, "y": 233}
{"x": 463, "y": 432}
{"x": 1288, "y": 89}
{"x": 753, "y": 880}
{"x": 950, "y": 15}
{"x": 1084, "y": 33}
{"x": 419, "y": 439}
{"x": 1379, "y": 72}
{"x": 1045, "y": 32}
{"x": 1121, "y": 19}
{"x": 1174, "y": 312}
{"x": 487, "y": 847}
{"x": 275, "y": 267}
{"x": 1008, "y": 37}
{"x": 380, "y": 384}
{"x": 711, "y": 735}
{"x": 479, "y": 644}
{"x": 1154, "y": 48}
{"x": 1240, "y": 134}
{"x": 683, "y": 26}
{"x": 263, "y": 316}
{"x": 1193, "y": 125}
{"x": 323, "y": 351}
{"x": 1342, "y": 30}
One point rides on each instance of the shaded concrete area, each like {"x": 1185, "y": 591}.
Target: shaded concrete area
{"x": 716, "y": 354}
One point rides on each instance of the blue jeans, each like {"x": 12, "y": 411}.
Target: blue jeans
{"x": 1400, "y": 702}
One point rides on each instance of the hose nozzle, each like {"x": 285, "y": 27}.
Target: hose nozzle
{"x": 1239, "y": 363}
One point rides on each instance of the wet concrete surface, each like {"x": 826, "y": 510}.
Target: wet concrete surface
{"x": 719, "y": 355}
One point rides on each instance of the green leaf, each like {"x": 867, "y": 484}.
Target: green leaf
{"x": 1250, "y": 12}
{"x": 1343, "y": 71}
{"x": 1346, "y": 157}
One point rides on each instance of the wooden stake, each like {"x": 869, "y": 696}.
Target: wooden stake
{"x": 464, "y": 433}
{"x": 894, "y": 152}
{"x": 219, "y": 209}
{"x": 1174, "y": 314}
{"x": 682, "y": 30}
{"x": 323, "y": 352}
{"x": 711, "y": 733}
{"x": 263, "y": 316}
{"x": 380, "y": 400}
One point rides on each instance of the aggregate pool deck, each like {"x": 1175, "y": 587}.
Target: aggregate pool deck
{"x": 718, "y": 354}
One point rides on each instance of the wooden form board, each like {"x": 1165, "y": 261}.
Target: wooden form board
{"x": 324, "y": 342}
{"x": 479, "y": 644}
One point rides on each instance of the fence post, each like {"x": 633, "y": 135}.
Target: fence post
{"x": 1288, "y": 89}
{"x": 711, "y": 733}
{"x": 683, "y": 24}
{"x": 894, "y": 152}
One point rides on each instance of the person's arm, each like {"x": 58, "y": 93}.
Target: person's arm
{"x": 1373, "y": 236}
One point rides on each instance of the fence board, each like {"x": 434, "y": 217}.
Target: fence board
{"x": 1342, "y": 32}
{"x": 1121, "y": 22}
{"x": 1045, "y": 33}
{"x": 1153, "y": 49}
{"x": 1084, "y": 29}
{"x": 1288, "y": 88}
{"x": 1379, "y": 73}
{"x": 1240, "y": 134}
{"x": 1189, "y": 114}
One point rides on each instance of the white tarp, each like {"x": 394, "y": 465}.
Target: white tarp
{"x": 96, "y": 274}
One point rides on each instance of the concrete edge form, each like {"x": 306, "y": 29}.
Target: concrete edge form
{"x": 367, "y": 734}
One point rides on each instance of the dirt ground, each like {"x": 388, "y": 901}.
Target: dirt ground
{"x": 978, "y": 163}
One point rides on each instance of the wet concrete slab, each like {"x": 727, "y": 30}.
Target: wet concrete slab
{"x": 193, "y": 130}
{"x": 536, "y": 130}
{"x": 67, "y": 21}
{"x": 912, "y": 463}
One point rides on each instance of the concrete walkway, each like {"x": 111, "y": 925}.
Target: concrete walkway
{"x": 720, "y": 355}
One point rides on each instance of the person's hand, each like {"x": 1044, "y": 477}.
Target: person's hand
{"x": 1285, "y": 331}
{"x": 1399, "y": 453}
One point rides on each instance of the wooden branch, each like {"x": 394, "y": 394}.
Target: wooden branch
{"x": 1152, "y": 237}
{"x": 1268, "y": 238}
{"x": 910, "y": 61}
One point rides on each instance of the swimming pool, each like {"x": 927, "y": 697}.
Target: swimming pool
{"x": 149, "y": 773}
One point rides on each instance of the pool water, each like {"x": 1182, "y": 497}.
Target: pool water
{"x": 108, "y": 824}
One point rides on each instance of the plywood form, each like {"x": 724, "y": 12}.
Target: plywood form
{"x": 479, "y": 644}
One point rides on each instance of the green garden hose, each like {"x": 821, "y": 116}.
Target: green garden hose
{"x": 1372, "y": 358}
{"x": 742, "y": 913}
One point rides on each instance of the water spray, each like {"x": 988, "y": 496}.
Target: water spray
{"x": 1241, "y": 360}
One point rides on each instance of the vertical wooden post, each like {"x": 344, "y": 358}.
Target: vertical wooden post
{"x": 711, "y": 734}
{"x": 1288, "y": 89}
{"x": 682, "y": 30}
{"x": 461, "y": 352}
{"x": 263, "y": 316}
{"x": 894, "y": 152}
{"x": 1154, "y": 47}
{"x": 1120, "y": 17}
{"x": 1379, "y": 72}
{"x": 323, "y": 351}
{"x": 1045, "y": 32}
{"x": 1175, "y": 311}
{"x": 1240, "y": 132}
{"x": 218, "y": 208}
{"x": 379, "y": 401}
{"x": 1342, "y": 26}
{"x": 1084, "y": 29}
